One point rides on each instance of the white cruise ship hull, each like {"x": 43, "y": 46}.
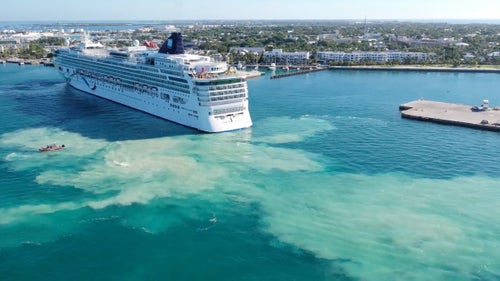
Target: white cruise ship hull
{"x": 189, "y": 114}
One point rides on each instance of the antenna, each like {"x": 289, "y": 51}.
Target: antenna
{"x": 365, "y": 26}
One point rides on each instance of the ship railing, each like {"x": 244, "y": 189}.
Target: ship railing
{"x": 213, "y": 76}
{"x": 227, "y": 92}
{"x": 216, "y": 103}
{"x": 220, "y": 111}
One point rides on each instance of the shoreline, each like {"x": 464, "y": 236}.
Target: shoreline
{"x": 20, "y": 61}
{"x": 48, "y": 62}
{"x": 418, "y": 68}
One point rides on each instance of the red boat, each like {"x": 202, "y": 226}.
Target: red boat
{"x": 51, "y": 147}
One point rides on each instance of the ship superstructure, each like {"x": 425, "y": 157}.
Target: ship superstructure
{"x": 188, "y": 89}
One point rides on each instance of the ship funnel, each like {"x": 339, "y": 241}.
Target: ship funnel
{"x": 173, "y": 45}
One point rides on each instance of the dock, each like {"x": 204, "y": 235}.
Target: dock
{"x": 249, "y": 74}
{"x": 452, "y": 114}
{"x": 42, "y": 61}
{"x": 298, "y": 72}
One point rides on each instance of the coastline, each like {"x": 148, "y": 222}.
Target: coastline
{"x": 483, "y": 69}
{"x": 418, "y": 68}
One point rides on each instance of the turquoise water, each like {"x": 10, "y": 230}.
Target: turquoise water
{"x": 329, "y": 184}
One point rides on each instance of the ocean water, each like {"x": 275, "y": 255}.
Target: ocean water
{"x": 329, "y": 184}
{"x": 90, "y": 25}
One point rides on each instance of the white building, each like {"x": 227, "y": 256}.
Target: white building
{"x": 277, "y": 55}
{"x": 328, "y": 36}
{"x": 468, "y": 56}
{"x": 494, "y": 54}
{"x": 462, "y": 45}
{"x": 10, "y": 44}
{"x": 379, "y": 57}
{"x": 245, "y": 50}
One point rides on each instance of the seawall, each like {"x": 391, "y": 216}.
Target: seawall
{"x": 418, "y": 68}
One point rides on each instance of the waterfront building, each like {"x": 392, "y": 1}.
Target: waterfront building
{"x": 246, "y": 50}
{"x": 277, "y": 55}
{"x": 11, "y": 44}
{"x": 494, "y": 54}
{"x": 378, "y": 57}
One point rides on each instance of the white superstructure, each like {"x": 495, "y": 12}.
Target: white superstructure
{"x": 191, "y": 90}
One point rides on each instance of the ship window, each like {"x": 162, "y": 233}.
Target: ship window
{"x": 178, "y": 79}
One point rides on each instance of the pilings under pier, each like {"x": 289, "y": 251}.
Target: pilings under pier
{"x": 452, "y": 114}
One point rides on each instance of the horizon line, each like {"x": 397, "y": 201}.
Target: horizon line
{"x": 283, "y": 19}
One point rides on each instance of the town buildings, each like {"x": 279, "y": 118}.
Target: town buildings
{"x": 377, "y": 57}
{"x": 278, "y": 56}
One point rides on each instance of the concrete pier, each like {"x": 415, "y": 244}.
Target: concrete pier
{"x": 452, "y": 114}
{"x": 249, "y": 74}
{"x": 298, "y": 72}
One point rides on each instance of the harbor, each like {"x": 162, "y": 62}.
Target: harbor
{"x": 478, "y": 117}
{"x": 336, "y": 131}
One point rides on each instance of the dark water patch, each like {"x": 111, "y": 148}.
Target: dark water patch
{"x": 232, "y": 250}
{"x": 33, "y": 86}
{"x": 72, "y": 110}
{"x": 20, "y": 188}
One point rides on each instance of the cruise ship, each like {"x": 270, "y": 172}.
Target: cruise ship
{"x": 187, "y": 89}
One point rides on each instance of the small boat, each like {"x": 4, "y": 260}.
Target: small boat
{"x": 52, "y": 147}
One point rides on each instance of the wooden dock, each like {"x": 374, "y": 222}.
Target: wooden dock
{"x": 452, "y": 114}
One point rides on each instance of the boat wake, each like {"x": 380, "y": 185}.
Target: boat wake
{"x": 121, "y": 164}
{"x": 212, "y": 221}
{"x": 15, "y": 156}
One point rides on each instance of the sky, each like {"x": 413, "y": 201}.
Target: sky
{"x": 166, "y": 10}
